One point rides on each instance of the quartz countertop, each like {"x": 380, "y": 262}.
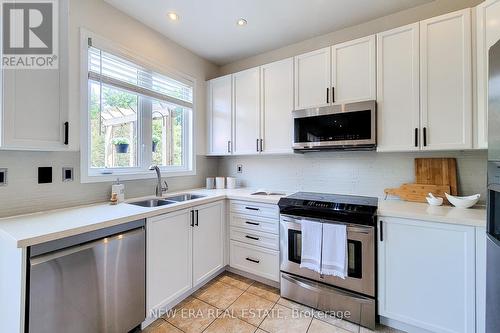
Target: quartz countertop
{"x": 31, "y": 229}
{"x": 475, "y": 216}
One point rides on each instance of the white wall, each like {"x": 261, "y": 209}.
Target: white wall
{"x": 356, "y": 173}
{"x": 24, "y": 195}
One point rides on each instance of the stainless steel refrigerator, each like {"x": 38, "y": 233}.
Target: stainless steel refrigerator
{"x": 493, "y": 228}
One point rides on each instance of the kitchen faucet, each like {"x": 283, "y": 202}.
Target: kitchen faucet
{"x": 160, "y": 189}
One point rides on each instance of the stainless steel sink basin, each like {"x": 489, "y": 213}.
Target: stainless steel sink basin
{"x": 153, "y": 203}
{"x": 185, "y": 197}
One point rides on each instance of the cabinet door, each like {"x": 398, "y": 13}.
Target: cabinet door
{"x": 425, "y": 267}
{"x": 353, "y": 70}
{"x": 34, "y": 102}
{"x": 277, "y": 106}
{"x": 168, "y": 258}
{"x": 219, "y": 116}
{"x": 208, "y": 241}
{"x": 246, "y": 96}
{"x": 398, "y": 96}
{"x": 488, "y": 33}
{"x": 445, "y": 81}
{"x": 312, "y": 79}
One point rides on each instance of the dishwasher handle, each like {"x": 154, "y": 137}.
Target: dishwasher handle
{"x": 41, "y": 259}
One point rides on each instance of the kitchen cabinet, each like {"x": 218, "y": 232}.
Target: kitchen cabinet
{"x": 446, "y": 81}
{"x": 34, "y": 102}
{"x": 487, "y": 34}
{"x": 353, "y": 71}
{"x": 208, "y": 241}
{"x": 246, "y": 97}
{"x": 312, "y": 79}
{"x": 426, "y": 274}
{"x": 169, "y": 258}
{"x": 183, "y": 250}
{"x": 398, "y": 91}
{"x": 276, "y": 107}
{"x": 220, "y": 115}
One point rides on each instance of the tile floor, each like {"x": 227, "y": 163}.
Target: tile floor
{"x": 231, "y": 303}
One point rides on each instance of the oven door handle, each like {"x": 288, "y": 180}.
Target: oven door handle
{"x": 351, "y": 227}
{"x": 303, "y": 283}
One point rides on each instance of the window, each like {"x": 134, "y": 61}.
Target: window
{"x": 135, "y": 117}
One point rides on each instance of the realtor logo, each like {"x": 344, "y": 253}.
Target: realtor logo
{"x": 30, "y": 34}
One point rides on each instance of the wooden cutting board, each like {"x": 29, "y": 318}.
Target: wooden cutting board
{"x": 418, "y": 192}
{"x": 437, "y": 171}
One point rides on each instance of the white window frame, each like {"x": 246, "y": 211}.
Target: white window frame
{"x": 92, "y": 175}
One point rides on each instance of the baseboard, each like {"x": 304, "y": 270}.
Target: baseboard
{"x": 402, "y": 326}
{"x": 253, "y": 277}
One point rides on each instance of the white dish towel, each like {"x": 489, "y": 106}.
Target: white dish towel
{"x": 311, "y": 245}
{"x": 334, "y": 257}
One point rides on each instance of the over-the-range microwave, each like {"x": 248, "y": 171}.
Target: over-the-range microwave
{"x": 336, "y": 127}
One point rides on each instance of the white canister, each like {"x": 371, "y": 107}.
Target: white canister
{"x": 210, "y": 183}
{"x": 230, "y": 182}
{"x": 220, "y": 183}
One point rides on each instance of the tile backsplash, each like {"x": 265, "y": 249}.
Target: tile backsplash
{"x": 358, "y": 173}
{"x": 23, "y": 194}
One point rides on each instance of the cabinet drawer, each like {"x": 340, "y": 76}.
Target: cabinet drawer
{"x": 256, "y": 238}
{"x": 255, "y": 209}
{"x": 255, "y": 223}
{"x": 255, "y": 260}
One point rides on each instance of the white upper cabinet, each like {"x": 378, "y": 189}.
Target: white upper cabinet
{"x": 423, "y": 268}
{"x": 208, "y": 241}
{"x": 277, "y": 106}
{"x": 312, "y": 79}
{"x": 219, "y": 116}
{"x": 246, "y": 98}
{"x": 34, "y": 102}
{"x": 488, "y": 33}
{"x": 445, "y": 81}
{"x": 398, "y": 96}
{"x": 353, "y": 70}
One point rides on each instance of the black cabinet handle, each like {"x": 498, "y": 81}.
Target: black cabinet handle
{"x": 327, "y": 95}
{"x": 333, "y": 94}
{"x": 196, "y": 223}
{"x": 381, "y": 231}
{"x": 258, "y": 149}
{"x": 252, "y": 223}
{"x": 66, "y": 133}
{"x": 192, "y": 218}
{"x": 425, "y": 136}
{"x": 251, "y": 237}
{"x": 261, "y": 145}
{"x": 416, "y": 137}
{"x": 229, "y": 146}
{"x": 253, "y": 260}
{"x": 252, "y": 208}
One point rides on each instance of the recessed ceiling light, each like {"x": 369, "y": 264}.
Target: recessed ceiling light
{"x": 173, "y": 16}
{"x": 241, "y": 22}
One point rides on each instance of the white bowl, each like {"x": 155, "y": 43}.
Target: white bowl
{"x": 463, "y": 202}
{"x": 434, "y": 201}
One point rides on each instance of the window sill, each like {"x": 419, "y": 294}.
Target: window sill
{"x": 102, "y": 178}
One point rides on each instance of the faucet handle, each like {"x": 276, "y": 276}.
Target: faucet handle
{"x": 164, "y": 189}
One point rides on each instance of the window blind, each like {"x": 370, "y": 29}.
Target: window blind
{"x": 106, "y": 68}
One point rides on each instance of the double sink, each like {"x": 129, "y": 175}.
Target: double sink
{"x": 168, "y": 200}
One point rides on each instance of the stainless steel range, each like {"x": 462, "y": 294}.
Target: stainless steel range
{"x": 357, "y": 292}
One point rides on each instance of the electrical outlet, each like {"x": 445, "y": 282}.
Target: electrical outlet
{"x": 3, "y": 176}
{"x": 67, "y": 174}
{"x": 239, "y": 168}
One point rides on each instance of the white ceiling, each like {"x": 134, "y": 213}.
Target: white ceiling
{"x": 208, "y": 27}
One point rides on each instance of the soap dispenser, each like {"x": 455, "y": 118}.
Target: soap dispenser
{"x": 119, "y": 189}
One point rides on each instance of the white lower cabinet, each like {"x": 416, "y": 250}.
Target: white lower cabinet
{"x": 183, "y": 249}
{"x": 426, "y": 274}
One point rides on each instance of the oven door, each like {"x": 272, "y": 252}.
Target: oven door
{"x": 336, "y": 127}
{"x": 361, "y": 256}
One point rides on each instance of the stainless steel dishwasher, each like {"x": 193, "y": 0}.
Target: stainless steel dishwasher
{"x": 93, "y": 282}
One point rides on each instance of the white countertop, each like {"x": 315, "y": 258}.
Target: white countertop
{"x": 31, "y": 229}
{"x": 475, "y": 216}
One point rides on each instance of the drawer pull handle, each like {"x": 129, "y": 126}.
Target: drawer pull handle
{"x": 252, "y": 208}
{"x": 251, "y": 237}
{"x": 252, "y": 223}
{"x": 253, "y": 260}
